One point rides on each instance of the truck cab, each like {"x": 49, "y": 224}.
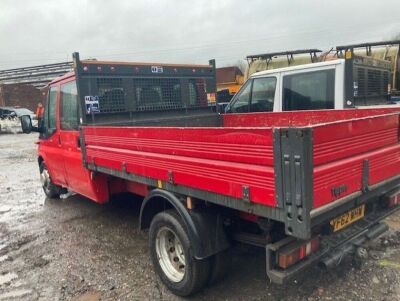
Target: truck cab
{"x": 156, "y": 93}
{"x": 336, "y": 83}
{"x": 344, "y": 79}
{"x": 306, "y": 87}
{"x": 59, "y": 152}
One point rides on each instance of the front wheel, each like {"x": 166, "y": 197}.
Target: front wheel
{"x": 50, "y": 189}
{"x": 172, "y": 255}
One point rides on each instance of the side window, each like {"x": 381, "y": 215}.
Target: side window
{"x": 69, "y": 106}
{"x": 51, "y": 110}
{"x": 263, "y": 94}
{"x": 241, "y": 102}
{"x": 309, "y": 91}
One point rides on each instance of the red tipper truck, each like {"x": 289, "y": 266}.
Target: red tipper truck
{"x": 307, "y": 186}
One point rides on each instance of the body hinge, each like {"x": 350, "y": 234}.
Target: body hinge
{"x": 365, "y": 175}
{"x": 246, "y": 193}
{"x": 171, "y": 177}
{"x": 293, "y": 155}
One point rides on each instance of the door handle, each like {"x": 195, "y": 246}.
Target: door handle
{"x": 59, "y": 139}
{"x": 78, "y": 142}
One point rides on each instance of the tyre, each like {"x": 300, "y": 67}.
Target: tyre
{"x": 219, "y": 265}
{"x": 172, "y": 255}
{"x": 50, "y": 189}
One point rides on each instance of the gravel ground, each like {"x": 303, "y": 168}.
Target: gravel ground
{"x": 74, "y": 249}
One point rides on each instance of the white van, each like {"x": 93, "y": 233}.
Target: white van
{"x": 337, "y": 84}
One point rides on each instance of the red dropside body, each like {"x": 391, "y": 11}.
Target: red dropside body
{"x": 241, "y": 152}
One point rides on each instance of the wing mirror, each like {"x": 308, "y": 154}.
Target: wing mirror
{"x": 26, "y": 125}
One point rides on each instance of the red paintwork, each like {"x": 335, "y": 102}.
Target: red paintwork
{"x": 340, "y": 148}
{"x": 212, "y": 159}
{"x": 63, "y": 158}
{"x": 117, "y": 185}
{"x": 300, "y": 118}
{"x": 222, "y": 160}
{"x": 137, "y": 188}
{"x": 248, "y": 216}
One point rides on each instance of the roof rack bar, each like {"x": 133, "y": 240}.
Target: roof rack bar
{"x": 368, "y": 45}
{"x": 289, "y": 54}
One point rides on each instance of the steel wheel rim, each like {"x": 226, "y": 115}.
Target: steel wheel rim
{"x": 45, "y": 178}
{"x": 170, "y": 254}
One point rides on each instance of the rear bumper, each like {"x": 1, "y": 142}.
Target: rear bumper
{"x": 333, "y": 247}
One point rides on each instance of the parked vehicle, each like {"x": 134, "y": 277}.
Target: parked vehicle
{"x": 353, "y": 82}
{"x": 309, "y": 187}
{"x": 12, "y": 112}
{"x": 388, "y": 51}
{"x": 10, "y": 119}
{"x": 347, "y": 78}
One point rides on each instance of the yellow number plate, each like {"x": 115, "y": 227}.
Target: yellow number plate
{"x": 348, "y": 218}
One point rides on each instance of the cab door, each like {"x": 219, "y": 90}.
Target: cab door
{"x": 78, "y": 177}
{"x": 50, "y": 143}
{"x": 69, "y": 137}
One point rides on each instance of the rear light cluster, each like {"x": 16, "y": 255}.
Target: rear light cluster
{"x": 295, "y": 253}
{"x": 393, "y": 199}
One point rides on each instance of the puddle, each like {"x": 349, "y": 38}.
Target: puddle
{"x": 89, "y": 296}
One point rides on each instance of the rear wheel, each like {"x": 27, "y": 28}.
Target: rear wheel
{"x": 172, "y": 255}
{"x": 50, "y": 189}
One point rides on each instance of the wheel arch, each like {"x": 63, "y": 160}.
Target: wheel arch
{"x": 40, "y": 160}
{"x": 205, "y": 227}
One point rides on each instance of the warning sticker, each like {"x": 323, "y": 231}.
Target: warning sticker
{"x": 92, "y": 104}
{"x": 157, "y": 69}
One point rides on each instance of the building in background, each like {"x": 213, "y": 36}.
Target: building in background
{"x": 25, "y": 87}
{"x": 21, "y": 95}
{"x": 229, "y": 81}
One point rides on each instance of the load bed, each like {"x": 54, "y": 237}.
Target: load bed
{"x": 285, "y": 166}
{"x": 158, "y": 126}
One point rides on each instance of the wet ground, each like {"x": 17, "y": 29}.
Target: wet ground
{"x": 74, "y": 249}
{"x": 10, "y": 125}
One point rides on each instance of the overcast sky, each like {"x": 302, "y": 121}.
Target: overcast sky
{"x": 47, "y": 31}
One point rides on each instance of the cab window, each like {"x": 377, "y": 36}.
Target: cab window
{"x": 51, "y": 110}
{"x": 263, "y": 94}
{"x": 241, "y": 102}
{"x": 69, "y": 106}
{"x": 309, "y": 91}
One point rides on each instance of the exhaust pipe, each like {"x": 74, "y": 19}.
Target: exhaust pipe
{"x": 350, "y": 247}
